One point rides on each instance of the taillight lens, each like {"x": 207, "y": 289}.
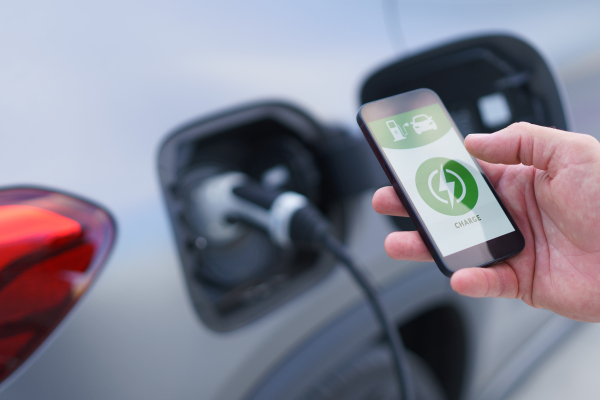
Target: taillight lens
{"x": 51, "y": 247}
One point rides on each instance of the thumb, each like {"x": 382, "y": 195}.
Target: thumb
{"x": 528, "y": 144}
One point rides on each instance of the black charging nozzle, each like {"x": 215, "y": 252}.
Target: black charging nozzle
{"x": 291, "y": 220}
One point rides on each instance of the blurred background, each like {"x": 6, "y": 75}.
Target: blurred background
{"x": 89, "y": 92}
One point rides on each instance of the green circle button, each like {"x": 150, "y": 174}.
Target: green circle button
{"x": 447, "y": 186}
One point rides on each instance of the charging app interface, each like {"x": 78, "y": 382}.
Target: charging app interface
{"x": 441, "y": 178}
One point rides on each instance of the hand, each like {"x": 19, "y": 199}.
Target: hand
{"x": 550, "y": 182}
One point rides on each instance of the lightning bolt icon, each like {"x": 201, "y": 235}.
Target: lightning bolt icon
{"x": 446, "y": 186}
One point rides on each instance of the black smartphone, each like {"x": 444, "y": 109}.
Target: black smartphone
{"x": 455, "y": 208}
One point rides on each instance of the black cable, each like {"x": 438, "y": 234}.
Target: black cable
{"x": 309, "y": 227}
{"x": 405, "y": 382}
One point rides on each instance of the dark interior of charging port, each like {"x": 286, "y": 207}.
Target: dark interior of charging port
{"x": 235, "y": 282}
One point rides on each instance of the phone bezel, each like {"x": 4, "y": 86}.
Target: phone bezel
{"x": 484, "y": 254}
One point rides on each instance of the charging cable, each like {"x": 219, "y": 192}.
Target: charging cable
{"x": 290, "y": 219}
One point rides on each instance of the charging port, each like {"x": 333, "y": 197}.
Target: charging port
{"x": 234, "y": 273}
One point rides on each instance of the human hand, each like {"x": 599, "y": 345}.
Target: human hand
{"x": 550, "y": 182}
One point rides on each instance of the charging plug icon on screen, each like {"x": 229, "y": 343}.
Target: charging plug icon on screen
{"x": 398, "y": 132}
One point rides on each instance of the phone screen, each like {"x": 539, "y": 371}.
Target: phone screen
{"x": 427, "y": 155}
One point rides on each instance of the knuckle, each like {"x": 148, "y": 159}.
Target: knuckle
{"x": 518, "y": 126}
{"x": 585, "y": 146}
{"x": 588, "y": 140}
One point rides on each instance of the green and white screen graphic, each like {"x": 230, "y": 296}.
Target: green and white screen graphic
{"x": 447, "y": 186}
{"x": 441, "y": 179}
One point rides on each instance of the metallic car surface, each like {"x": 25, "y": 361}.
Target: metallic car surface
{"x": 89, "y": 90}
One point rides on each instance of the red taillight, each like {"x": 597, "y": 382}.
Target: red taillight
{"x": 51, "y": 247}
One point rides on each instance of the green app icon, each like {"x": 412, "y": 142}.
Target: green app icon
{"x": 447, "y": 186}
{"x": 411, "y": 129}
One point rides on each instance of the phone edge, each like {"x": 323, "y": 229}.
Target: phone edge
{"x": 403, "y": 198}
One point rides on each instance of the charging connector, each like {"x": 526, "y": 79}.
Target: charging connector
{"x": 290, "y": 219}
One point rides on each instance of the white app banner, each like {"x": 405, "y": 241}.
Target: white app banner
{"x": 449, "y": 234}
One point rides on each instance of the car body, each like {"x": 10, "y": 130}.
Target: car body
{"x": 90, "y": 93}
{"x": 423, "y": 123}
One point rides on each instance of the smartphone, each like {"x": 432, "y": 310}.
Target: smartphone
{"x": 455, "y": 208}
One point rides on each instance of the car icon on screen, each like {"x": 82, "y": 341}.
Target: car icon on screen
{"x": 423, "y": 123}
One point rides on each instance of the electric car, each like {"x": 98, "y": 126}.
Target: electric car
{"x": 137, "y": 106}
{"x": 423, "y": 123}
